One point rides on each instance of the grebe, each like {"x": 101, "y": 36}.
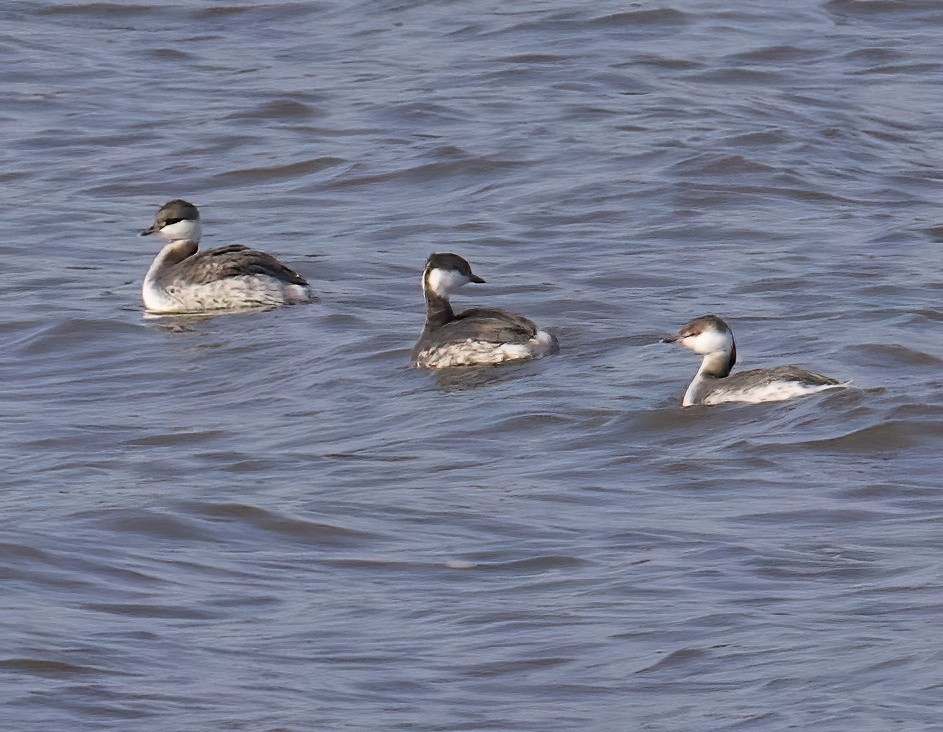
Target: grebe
{"x": 181, "y": 280}
{"x": 476, "y": 337}
{"x": 712, "y": 338}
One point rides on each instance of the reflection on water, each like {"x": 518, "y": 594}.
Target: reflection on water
{"x": 462, "y": 378}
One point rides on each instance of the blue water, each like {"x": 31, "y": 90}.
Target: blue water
{"x": 269, "y": 521}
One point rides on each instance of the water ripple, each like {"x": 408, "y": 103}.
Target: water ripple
{"x": 203, "y": 515}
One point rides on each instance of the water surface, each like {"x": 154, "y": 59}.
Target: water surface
{"x": 268, "y": 521}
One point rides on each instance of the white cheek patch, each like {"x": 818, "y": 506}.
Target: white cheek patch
{"x": 710, "y": 341}
{"x": 186, "y": 229}
{"x": 445, "y": 281}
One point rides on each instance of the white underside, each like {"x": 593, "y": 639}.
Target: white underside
{"x": 483, "y": 353}
{"x": 232, "y": 293}
{"x": 775, "y": 392}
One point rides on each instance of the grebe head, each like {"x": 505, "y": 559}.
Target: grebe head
{"x": 707, "y": 335}
{"x": 445, "y": 273}
{"x": 176, "y": 220}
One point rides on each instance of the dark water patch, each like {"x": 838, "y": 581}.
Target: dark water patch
{"x": 279, "y": 172}
{"x": 367, "y": 456}
{"x": 720, "y": 620}
{"x": 9, "y": 176}
{"x": 390, "y": 564}
{"x": 920, "y": 10}
{"x": 894, "y": 122}
{"x": 887, "y": 491}
{"x": 671, "y": 421}
{"x": 275, "y": 12}
{"x": 534, "y": 564}
{"x": 662, "y": 62}
{"x": 456, "y": 172}
{"x": 97, "y": 10}
{"x": 729, "y": 165}
{"x": 792, "y": 570}
{"x": 818, "y": 517}
{"x": 281, "y": 109}
{"x": 896, "y": 69}
{"x": 153, "y": 524}
{"x": 502, "y": 668}
{"x": 241, "y": 465}
{"x": 177, "y": 439}
{"x": 875, "y": 54}
{"x": 891, "y": 355}
{"x": 153, "y": 611}
{"x": 904, "y": 434}
{"x": 879, "y": 441}
{"x": 709, "y": 196}
{"x": 19, "y": 552}
{"x": 774, "y": 284}
{"x": 760, "y": 140}
{"x": 884, "y": 136}
{"x": 738, "y": 76}
{"x": 935, "y": 233}
{"x": 293, "y": 529}
{"x": 778, "y": 54}
{"x": 172, "y": 54}
{"x": 46, "y": 668}
{"x": 221, "y": 11}
{"x": 250, "y": 602}
{"x": 66, "y": 568}
{"x": 664, "y": 17}
{"x": 528, "y": 422}
{"x": 681, "y": 659}
{"x": 425, "y": 113}
{"x": 88, "y": 337}
{"x": 534, "y": 58}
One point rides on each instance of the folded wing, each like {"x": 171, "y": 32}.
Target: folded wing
{"x": 236, "y": 260}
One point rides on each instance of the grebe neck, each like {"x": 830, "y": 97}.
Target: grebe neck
{"x": 438, "y": 309}
{"x": 714, "y": 365}
{"x": 171, "y": 254}
{"x": 717, "y": 365}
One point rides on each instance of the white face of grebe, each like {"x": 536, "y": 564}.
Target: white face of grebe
{"x": 187, "y": 229}
{"x": 705, "y": 335}
{"x": 445, "y": 273}
{"x": 443, "y": 282}
{"x": 176, "y": 220}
